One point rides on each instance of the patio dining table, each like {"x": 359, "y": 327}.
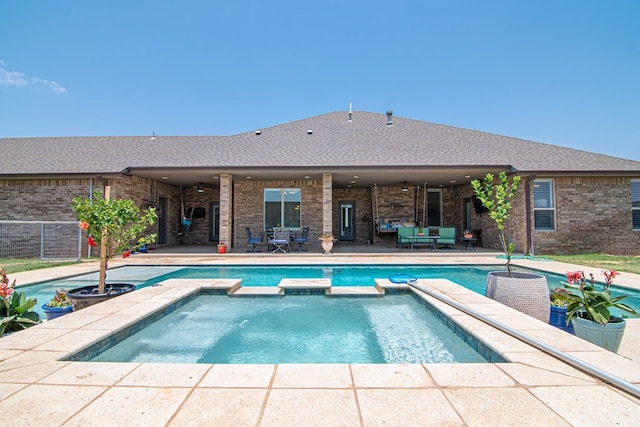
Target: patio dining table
{"x": 278, "y": 239}
{"x": 423, "y": 240}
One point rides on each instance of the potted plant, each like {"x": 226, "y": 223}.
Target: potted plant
{"x": 420, "y": 232}
{"x": 15, "y": 308}
{"x": 589, "y": 310}
{"x": 58, "y": 306}
{"x": 559, "y": 299}
{"x": 525, "y": 292}
{"x": 327, "y": 240}
{"x": 467, "y": 234}
{"x": 222, "y": 248}
{"x": 116, "y": 226}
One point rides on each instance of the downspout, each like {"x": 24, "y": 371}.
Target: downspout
{"x": 425, "y": 217}
{"x": 527, "y": 195}
{"x": 90, "y": 198}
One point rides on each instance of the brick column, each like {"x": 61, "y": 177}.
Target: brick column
{"x": 327, "y": 203}
{"x": 226, "y": 214}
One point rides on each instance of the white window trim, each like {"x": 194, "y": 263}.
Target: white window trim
{"x": 637, "y": 182}
{"x": 282, "y": 201}
{"x": 553, "y": 208}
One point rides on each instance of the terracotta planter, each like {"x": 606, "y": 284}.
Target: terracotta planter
{"x": 222, "y": 249}
{"x": 608, "y": 336}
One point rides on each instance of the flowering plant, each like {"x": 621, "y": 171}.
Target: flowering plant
{"x": 59, "y": 299}
{"x": 559, "y": 297}
{"x": 327, "y": 238}
{"x": 113, "y": 224}
{"x": 592, "y": 304}
{"x": 15, "y": 308}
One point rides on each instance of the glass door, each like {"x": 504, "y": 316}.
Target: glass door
{"x": 214, "y": 222}
{"x": 347, "y": 221}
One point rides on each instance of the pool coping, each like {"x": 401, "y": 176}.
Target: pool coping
{"x": 543, "y": 386}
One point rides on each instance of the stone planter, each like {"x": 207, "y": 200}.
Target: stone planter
{"x": 327, "y": 246}
{"x": 608, "y": 336}
{"x": 88, "y": 295}
{"x": 526, "y": 292}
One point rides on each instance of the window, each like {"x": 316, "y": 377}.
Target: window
{"x": 544, "y": 213}
{"x": 282, "y": 207}
{"x": 635, "y": 203}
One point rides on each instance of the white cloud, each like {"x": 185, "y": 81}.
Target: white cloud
{"x": 15, "y": 78}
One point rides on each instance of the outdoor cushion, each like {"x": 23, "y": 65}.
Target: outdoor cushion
{"x": 403, "y": 232}
{"x": 447, "y": 236}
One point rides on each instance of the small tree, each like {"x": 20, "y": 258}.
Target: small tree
{"x": 496, "y": 197}
{"x": 115, "y": 225}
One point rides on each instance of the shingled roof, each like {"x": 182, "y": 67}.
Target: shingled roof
{"x": 328, "y": 140}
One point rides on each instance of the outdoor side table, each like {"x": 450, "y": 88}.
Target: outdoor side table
{"x": 468, "y": 243}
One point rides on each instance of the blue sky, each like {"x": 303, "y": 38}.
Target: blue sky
{"x": 561, "y": 72}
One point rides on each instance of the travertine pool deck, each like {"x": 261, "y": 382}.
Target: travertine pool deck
{"x": 36, "y": 388}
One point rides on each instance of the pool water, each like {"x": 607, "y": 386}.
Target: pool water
{"x": 296, "y": 329}
{"x": 470, "y": 276}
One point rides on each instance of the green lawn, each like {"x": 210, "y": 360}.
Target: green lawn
{"x": 630, "y": 264}
{"x": 18, "y": 265}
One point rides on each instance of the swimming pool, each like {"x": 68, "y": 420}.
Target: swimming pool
{"x": 399, "y": 328}
{"x": 470, "y": 276}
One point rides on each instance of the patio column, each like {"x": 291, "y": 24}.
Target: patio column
{"x": 226, "y": 196}
{"x": 327, "y": 203}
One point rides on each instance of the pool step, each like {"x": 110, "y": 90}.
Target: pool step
{"x": 355, "y": 290}
{"x": 257, "y": 290}
{"x": 311, "y": 286}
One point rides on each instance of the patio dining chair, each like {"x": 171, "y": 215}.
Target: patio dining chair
{"x": 302, "y": 239}
{"x": 279, "y": 240}
{"x": 253, "y": 240}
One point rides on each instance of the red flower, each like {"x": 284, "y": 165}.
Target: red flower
{"x": 609, "y": 275}
{"x": 126, "y": 254}
{"x": 5, "y": 290}
{"x": 83, "y": 225}
{"x": 574, "y": 276}
{"x": 91, "y": 242}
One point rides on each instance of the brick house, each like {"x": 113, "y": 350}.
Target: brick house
{"x": 348, "y": 173}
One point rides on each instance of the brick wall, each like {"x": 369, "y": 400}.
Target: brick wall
{"x": 248, "y": 208}
{"x": 515, "y": 225}
{"x": 593, "y": 215}
{"x": 51, "y": 200}
{"x": 363, "y": 214}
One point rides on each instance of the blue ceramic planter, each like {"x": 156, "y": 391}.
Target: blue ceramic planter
{"x": 54, "y": 312}
{"x": 557, "y": 318}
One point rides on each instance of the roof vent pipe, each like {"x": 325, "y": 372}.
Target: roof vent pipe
{"x": 389, "y": 121}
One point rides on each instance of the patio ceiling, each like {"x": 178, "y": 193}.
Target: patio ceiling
{"x": 342, "y": 178}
